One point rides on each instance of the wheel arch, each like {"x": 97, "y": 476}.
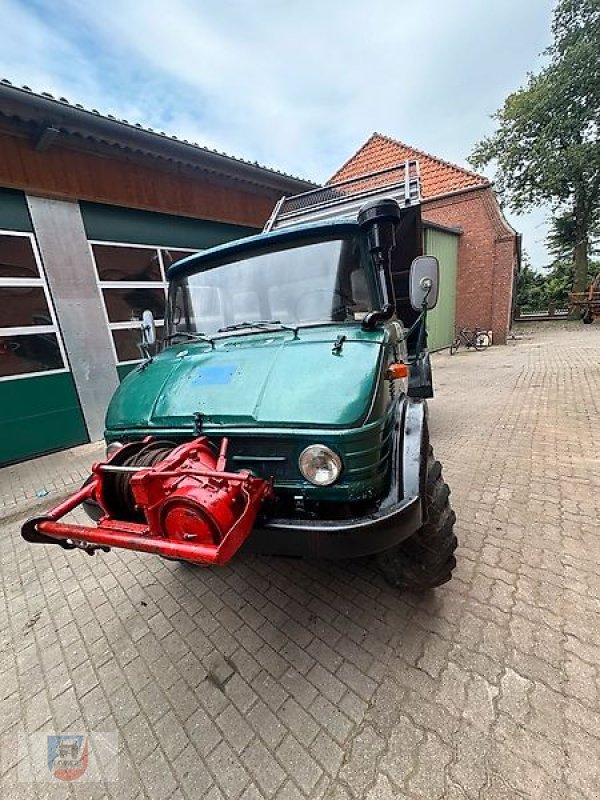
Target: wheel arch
{"x": 414, "y": 444}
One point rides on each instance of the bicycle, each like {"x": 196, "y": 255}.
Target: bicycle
{"x": 475, "y": 338}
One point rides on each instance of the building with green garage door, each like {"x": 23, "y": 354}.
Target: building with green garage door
{"x": 92, "y": 212}
{"x": 488, "y": 253}
{"x": 39, "y": 406}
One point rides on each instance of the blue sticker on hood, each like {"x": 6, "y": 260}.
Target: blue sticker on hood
{"x": 213, "y": 376}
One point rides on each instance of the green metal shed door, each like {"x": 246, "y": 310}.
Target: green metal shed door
{"x": 441, "y": 320}
{"x": 39, "y": 407}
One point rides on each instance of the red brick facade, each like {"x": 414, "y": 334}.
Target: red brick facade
{"x": 487, "y": 258}
{"x": 488, "y": 249}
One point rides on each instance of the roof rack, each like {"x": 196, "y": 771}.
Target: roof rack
{"x": 344, "y": 198}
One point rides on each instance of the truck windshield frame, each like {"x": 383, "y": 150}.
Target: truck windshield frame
{"x": 300, "y": 284}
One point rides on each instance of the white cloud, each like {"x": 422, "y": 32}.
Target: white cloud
{"x": 297, "y": 85}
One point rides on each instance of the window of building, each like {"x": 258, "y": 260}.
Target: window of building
{"x": 132, "y": 278}
{"x": 30, "y": 343}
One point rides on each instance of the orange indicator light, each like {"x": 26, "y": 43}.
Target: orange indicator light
{"x": 396, "y": 371}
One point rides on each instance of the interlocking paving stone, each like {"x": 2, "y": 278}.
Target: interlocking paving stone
{"x": 25, "y": 481}
{"x": 287, "y": 679}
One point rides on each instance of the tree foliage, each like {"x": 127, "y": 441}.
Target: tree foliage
{"x": 537, "y": 291}
{"x": 562, "y": 238}
{"x": 531, "y": 295}
{"x": 547, "y": 143}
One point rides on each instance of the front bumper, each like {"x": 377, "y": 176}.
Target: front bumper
{"x": 348, "y": 538}
{"x": 398, "y": 516}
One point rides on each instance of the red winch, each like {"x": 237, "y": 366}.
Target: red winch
{"x": 157, "y": 497}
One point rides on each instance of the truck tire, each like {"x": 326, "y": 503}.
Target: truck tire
{"x": 426, "y": 559}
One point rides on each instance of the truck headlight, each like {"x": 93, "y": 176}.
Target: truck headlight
{"x": 320, "y": 465}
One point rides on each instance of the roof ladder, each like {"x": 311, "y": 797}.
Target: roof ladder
{"x": 271, "y": 221}
{"x": 345, "y": 198}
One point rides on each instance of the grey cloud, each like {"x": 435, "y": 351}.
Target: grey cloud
{"x": 298, "y": 85}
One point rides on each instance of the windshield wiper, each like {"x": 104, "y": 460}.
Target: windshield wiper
{"x": 200, "y": 337}
{"x": 261, "y": 324}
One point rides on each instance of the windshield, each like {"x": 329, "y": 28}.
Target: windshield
{"x": 302, "y": 284}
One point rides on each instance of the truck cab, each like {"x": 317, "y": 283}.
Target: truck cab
{"x": 288, "y": 354}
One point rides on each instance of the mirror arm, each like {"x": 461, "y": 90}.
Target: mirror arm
{"x": 422, "y": 337}
{"x": 145, "y": 350}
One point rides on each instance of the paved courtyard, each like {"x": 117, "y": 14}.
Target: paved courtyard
{"x": 277, "y": 678}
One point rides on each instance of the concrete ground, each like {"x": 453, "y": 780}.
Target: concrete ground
{"x": 276, "y": 678}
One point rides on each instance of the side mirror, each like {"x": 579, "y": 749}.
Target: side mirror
{"x": 148, "y": 329}
{"x": 424, "y": 282}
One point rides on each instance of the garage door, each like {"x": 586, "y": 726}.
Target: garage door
{"x": 39, "y": 408}
{"x": 441, "y": 320}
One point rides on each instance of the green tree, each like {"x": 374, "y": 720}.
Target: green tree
{"x": 562, "y": 238}
{"x": 531, "y": 291}
{"x": 546, "y": 146}
{"x": 558, "y": 283}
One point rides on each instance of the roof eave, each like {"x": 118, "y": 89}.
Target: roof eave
{"x": 455, "y": 230}
{"x": 73, "y": 120}
{"x": 454, "y": 192}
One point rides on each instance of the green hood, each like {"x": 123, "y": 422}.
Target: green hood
{"x": 255, "y": 380}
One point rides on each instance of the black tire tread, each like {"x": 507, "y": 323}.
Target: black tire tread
{"x": 426, "y": 559}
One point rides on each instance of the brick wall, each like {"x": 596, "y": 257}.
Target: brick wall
{"x": 486, "y": 254}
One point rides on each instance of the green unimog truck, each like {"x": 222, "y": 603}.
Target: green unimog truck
{"x": 284, "y": 410}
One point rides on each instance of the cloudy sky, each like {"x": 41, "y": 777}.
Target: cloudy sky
{"x": 294, "y": 84}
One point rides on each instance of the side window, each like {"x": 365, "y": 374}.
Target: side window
{"x": 353, "y": 278}
{"x": 360, "y": 291}
{"x": 132, "y": 278}
{"x": 29, "y": 338}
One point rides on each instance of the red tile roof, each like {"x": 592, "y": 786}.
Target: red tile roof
{"x": 438, "y": 177}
